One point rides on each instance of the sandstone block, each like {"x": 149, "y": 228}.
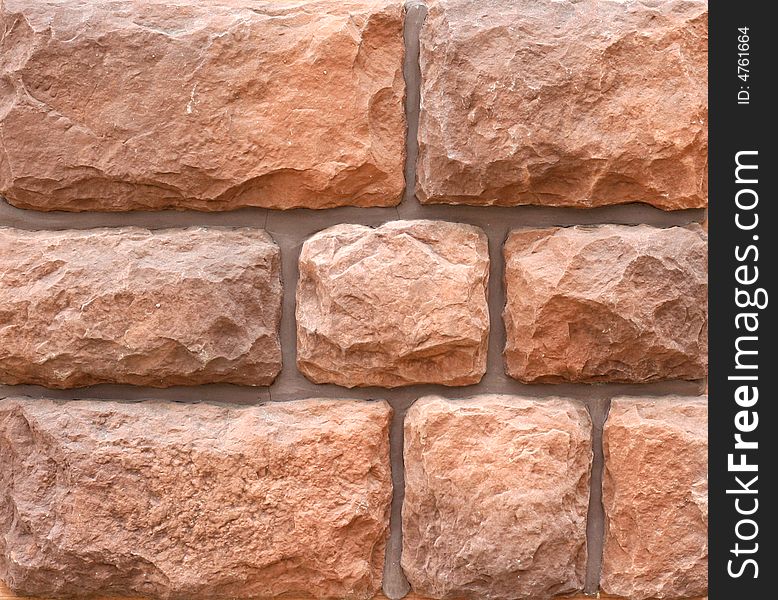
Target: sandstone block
{"x": 655, "y": 493}
{"x": 554, "y": 103}
{"x": 496, "y": 496}
{"x": 129, "y": 305}
{"x": 178, "y": 501}
{"x": 606, "y": 303}
{"x": 401, "y": 304}
{"x": 201, "y": 105}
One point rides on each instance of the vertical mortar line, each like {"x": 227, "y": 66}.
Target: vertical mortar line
{"x": 289, "y": 249}
{"x": 595, "y": 518}
{"x": 495, "y": 376}
{"x": 415, "y": 12}
{"x": 395, "y": 585}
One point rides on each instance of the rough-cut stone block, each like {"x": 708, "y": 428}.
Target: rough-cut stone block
{"x": 564, "y": 103}
{"x": 181, "y": 501}
{"x": 606, "y": 303}
{"x": 401, "y": 304}
{"x": 496, "y": 496}
{"x": 129, "y": 305}
{"x": 655, "y": 493}
{"x": 202, "y": 105}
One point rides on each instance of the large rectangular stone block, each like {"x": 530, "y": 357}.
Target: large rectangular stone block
{"x": 129, "y": 305}
{"x": 201, "y": 105}
{"x": 606, "y": 303}
{"x": 564, "y": 103}
{"x": 181, "y": 501}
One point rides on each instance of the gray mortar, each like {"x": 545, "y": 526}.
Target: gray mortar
{"x": 291, "y": 228}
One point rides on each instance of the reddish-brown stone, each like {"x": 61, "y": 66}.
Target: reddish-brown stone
{"x": 129, "y": 305}
{"x": 564, "y": 103}
{"x": 655, "y": 493}
{"x": 177, "y": 501}
{"x": 203, "y": 105}
{"x": 496, "y": 497}
{"x": 606, "y": 303}
{"x": 400, "y": 304}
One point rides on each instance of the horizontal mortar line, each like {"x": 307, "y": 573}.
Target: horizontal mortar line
{"x": 307, "y": 221}
{"x": 7, "y": 594}
{"x": 237, "y": 394}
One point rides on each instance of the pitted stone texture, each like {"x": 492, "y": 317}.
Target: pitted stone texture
{"x": 181, "y": 501}
{"x": 606, "y": 303}
{"x": 564, "y": 103}
{"x": 201, "y": 105}
{"x": 496, "y": 497}
{"x": 655, "y": 494}
{"x": 129, "y": 305}
{"x": 401, "y": 304}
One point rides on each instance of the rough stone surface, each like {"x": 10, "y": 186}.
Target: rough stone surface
{"x": 496, "y": 496}
{"x": 564, "y": 103}
{"x": 655, "y": 492}
{"x": 128, "y": 305}
{"x": 606, "y": 303}
{"x": 401, "y": 304}
{"x": 203, "y": 105}
{"x": 180, "y": 501}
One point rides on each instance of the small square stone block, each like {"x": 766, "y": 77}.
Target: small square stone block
{"x": 496, "y": 497}
{"x": 655, "y": 494}
{"x": 401, "y": 304}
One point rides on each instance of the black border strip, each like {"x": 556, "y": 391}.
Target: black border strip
{"x": 742, "y": 262}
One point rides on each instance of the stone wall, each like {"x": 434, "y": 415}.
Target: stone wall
{"x": 323, "y": 299}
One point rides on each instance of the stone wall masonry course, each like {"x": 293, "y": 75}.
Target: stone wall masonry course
{"x": 177, "y": 501}
{"x": 608, "y": 303}
{"x": 129, "y": 305}
{"x": 201, "y": 105}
